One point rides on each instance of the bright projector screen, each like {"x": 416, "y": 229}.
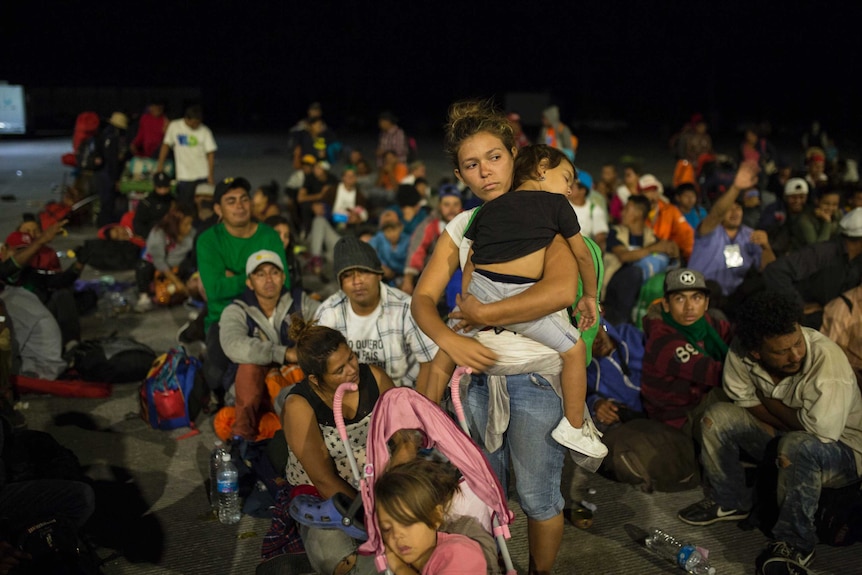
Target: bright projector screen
{"x": 12, "y": 114}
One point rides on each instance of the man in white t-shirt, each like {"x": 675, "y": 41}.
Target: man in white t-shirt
{"x": 374, "y": 317}
{"x": 591, "y": 216}
{"x": 194, "y": 153}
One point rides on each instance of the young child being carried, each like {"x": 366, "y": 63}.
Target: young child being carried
{"x": 510, "y": 235}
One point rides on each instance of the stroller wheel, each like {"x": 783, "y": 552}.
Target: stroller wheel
{"x": 580, "y": 517}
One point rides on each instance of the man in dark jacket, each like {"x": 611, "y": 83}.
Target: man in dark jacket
{"x": 153, "y": 208}
{"x": 818, "y": 273}
{"x": 112, "y": 150}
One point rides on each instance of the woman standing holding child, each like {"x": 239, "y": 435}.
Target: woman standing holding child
{"x": 480, "y": 143}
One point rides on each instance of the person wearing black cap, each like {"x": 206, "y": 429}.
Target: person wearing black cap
{"x": 153, "y": 208}
{"x": 374, "y": 317}
{"x": 222, "y": 253}
{"x": 685, "y": 350}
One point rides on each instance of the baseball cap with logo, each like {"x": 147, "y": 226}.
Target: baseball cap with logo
{"x": 684, "y": 279}
{"x": 261, "y": 257}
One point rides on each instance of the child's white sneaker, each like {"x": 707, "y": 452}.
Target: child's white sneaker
{"x": 584, "y": 440}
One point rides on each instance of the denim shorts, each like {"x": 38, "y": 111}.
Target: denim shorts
{"x": 536, "y": 459}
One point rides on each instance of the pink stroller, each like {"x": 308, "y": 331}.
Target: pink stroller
{"x": 404, "y": 408}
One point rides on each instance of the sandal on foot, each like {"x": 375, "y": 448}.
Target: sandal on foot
{"x": 313, "y": 511}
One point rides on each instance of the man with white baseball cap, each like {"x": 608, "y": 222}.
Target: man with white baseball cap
{"x": 779, "y": 218}
{"x": 254, "y": 335}
{"x": 818, "y": 273}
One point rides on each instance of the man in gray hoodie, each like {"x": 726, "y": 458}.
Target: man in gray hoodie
{"x": 254, "y": 335}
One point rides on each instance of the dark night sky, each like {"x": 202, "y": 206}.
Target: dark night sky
{"x": 640, "y": 62}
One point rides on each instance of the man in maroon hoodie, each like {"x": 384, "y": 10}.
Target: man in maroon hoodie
{"x": 151, "y": 132}
{"x": 685, "y": 350}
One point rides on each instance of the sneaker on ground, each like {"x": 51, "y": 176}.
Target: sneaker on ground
{"x": 192, "y": 331}
{"x": 584, "y": 440}
{"x": 707, "y": 512}
{"x": 780, "y": 558}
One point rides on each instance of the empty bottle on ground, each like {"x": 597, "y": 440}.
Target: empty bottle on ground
{"x": 685, "y": 556}
{"x": 215, "y": 461}
{"x": 228, "y": 496}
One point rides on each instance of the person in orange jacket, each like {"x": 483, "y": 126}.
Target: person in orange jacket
{"x": 665, "y": 219}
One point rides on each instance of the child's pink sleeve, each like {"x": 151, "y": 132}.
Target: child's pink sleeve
{"x": 456, "y": 555}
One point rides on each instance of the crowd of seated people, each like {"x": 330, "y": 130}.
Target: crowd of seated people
{"x": 366, "y": 232}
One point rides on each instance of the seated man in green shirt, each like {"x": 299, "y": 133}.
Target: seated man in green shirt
{"x": 223, "y": 251}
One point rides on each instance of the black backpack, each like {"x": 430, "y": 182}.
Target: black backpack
{"x": 112, "y": 360}
{"x": 109, "y": 255}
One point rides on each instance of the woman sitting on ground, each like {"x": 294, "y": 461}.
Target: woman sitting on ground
{"x": 168, "y": 245}
{"x": 317, "y": 456}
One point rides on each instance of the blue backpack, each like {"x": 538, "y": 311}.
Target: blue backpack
{"x": 173, "y": 393}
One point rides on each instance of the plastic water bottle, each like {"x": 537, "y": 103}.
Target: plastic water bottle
{"x": 228, "y": 496}
{"x": 215, "y": 461}
{"x": 685, "y": 556}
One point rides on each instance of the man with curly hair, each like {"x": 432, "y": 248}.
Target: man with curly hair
{"x": 793, "y": 384}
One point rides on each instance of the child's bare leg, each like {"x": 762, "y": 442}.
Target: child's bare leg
{"x": 573, "y": 381}
{"x": 439, "y": 373}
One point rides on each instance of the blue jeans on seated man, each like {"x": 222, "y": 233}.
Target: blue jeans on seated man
{"x": 805, "y": 465}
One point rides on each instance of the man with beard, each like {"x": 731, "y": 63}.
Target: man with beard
{"x": 791, "y": 383}
{"x": 725, "y": 249}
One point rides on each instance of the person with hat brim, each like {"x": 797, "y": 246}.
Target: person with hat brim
{"x": 665, "y": 219}
{"x": 374, "y": 317}
{"x": 194, "y": 152}
{"x": 818, "y": 273}
{"x": 153, "y": 208}
{"x": 36, "y": 335}
{"x": 111, "y": 153}
{"x": 685, "y": 350}
{"x": 254, "y": 335}
{"x": 779, "y": 217}
{"x": 222, "y": 253}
